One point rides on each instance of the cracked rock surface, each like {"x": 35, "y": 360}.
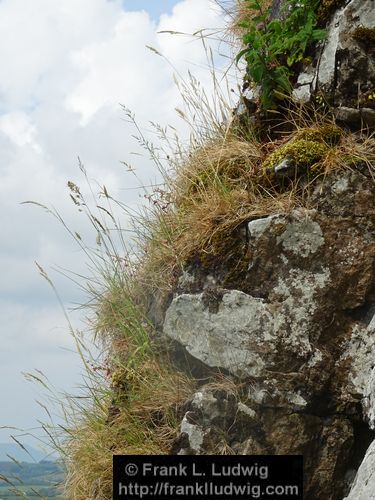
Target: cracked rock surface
{"x": 294, "y": 336}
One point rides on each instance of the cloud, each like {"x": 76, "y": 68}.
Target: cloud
{"x": 123, "y": 68}
{"x": 20, "y": 130}
{"x": 66, "y": 67}
{"x": 112, "y": 70}
{"x": 189, "y": 17}
{"x": 38, "y": 37}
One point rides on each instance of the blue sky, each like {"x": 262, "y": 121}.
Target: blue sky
{"x": 62, "y": 78}
{"x": 154, "y": 7}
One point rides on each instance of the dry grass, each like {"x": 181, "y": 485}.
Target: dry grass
{"x": 142, "y": 421}
{"x": 132, "y": 400}
{"x": 238, "y": 12}
{"x": 222, "y": 183}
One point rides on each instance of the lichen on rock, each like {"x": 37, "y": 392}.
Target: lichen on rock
{"x": 294, "y": 333}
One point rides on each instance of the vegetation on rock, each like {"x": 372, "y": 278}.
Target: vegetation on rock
{"x": 274, "y": 47}
{"x": 326, "y": 7}
{"x": 365, "y": 35}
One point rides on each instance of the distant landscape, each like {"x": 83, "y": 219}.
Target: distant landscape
{"x": 19, "y": 475}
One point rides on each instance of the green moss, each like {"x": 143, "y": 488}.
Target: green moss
{"x": 303, "y": 152}
{"x": 328, "y": 134}
{"x": 364, "y": 35}
{"x": 307, "y": 147}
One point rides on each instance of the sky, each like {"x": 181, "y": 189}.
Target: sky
{"x": 66, "y": 69}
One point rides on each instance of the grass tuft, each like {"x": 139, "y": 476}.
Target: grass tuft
{"x": 220, "y": 184}
{"x": 138, "y": 415}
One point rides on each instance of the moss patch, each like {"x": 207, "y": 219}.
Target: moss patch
{"x": 328, "y": 134}
{"x": 307, "y": 148}
{"x": 303, "y": 152}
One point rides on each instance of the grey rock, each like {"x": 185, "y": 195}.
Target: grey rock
{"x": 257, "y": 227}
{"x": 246, "y": 335}
{"x": 345, "y": 69}
{"x": 359, "y": 349}
{"x": 195, "y": 435}
{"x": 295, "y": 332}
{"x": 286, "y": 168}
{"x": 220, "y": 340}
{"x": 364, "y": 483}
{"x": 356, "y": 116}
{"x": 303, "y": 237}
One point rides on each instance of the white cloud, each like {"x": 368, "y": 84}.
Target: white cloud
{"x": 118, "y": 68}
{"x": 37, "y": 39}
{"x": 121, "y": 68}
{"x": 19, "y": 128}
{"x": 188, "y": 17}
{"x": 65, "y": 67}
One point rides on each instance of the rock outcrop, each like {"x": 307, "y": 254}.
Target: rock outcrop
{"x": 289, "y": 322}
{"x": 343, "y": 72}
{"x": 364, "y": 484}
{"x": 295, "y": 334}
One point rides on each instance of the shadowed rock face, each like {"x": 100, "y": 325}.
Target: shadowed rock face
{"x": 294, "y": 333}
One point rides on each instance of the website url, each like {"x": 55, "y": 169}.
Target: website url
{"x": 207, "y": 489}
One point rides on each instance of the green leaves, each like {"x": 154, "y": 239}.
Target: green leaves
{"x": 253, "y": 4}
{"x": 274, "y": 48}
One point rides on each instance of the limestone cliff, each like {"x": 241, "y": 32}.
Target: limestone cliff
{"x": 289, "y": 321}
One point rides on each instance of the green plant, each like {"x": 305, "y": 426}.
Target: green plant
{"x": 273, "y": 48}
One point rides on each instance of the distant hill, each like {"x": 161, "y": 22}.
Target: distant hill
{"x": 30, "y": 480}
{"x": 16, "y": 452}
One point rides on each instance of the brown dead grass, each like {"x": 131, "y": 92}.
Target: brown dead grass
{"x": 239, "y": 12}
{"x": 144, "y": 422}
